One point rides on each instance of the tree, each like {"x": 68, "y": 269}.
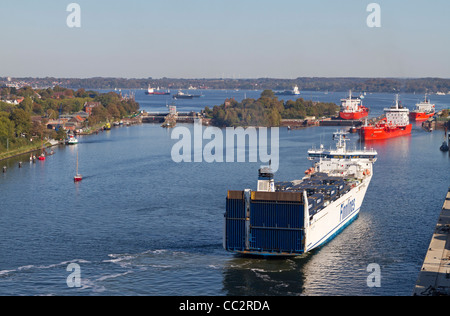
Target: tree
{"x": 22, "y": 121}
{"x": 6, "y": 128}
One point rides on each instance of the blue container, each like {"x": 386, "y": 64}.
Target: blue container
{"x": 272, "y": 240}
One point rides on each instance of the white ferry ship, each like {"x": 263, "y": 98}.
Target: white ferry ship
{"x": 291, "y": 218}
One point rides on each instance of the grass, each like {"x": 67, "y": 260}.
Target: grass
{"x": 19, "y": 151}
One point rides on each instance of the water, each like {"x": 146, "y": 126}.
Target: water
{"x": 140, "y": 224}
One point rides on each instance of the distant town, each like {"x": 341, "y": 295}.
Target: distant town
{"x": 388, "y": 85}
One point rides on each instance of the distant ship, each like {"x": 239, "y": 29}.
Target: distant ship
{"x": 294, "y": 91}
{"x": 291, "y": 218}
{"x": 396, "y": 123}
{"x": 351, "y": 108}
{"x": 182, "y": 95}
{"x": 423, "y": 111}
{"x": 151, "y": 91}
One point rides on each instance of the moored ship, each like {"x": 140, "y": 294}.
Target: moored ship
{"x": 292, "y": 218}
{"x": 395, "y": 123}
{"x": 423, "y": 110}
{"x": 352, "y": 109}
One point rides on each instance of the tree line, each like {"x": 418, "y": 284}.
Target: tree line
{"x": 387, "y": 85}
{"x": 266, "y": 111}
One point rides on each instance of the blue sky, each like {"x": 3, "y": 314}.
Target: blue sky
{"x": 225, "y": 38}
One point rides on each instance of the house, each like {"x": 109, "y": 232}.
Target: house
{"x": 82, "y": 114}
{"x": 89, "y": 106}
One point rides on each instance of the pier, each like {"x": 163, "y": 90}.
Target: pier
{"x": 355, "y": 123}
{"x": 434, "y": 277}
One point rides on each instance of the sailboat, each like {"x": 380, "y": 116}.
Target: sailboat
{"x": 78, "y": 177}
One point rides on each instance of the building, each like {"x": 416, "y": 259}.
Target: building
{"x": 89, "y": 106}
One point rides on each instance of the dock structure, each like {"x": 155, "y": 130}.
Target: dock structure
{"x": 161, "y": 117}
{"x": 355, "y": 123}
{"x": 434, "y": 277}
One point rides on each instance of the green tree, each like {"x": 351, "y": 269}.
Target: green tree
{"x": 22, "y": 121}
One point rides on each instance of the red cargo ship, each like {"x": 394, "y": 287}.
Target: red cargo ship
{"x": 396, "y": 123}
{"x": 151, "y": 91}
{"x": 351, "y": 109}
{"x": 423, "y": 111}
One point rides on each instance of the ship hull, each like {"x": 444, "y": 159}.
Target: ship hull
{"x": 353, "y": 115}
{"x": 157, "y": 93}
{"x": 332, "y": 220}
{"x": 317, "y": 230}
{"x": 420, "y": 116}
{"x": 384, "y": 132}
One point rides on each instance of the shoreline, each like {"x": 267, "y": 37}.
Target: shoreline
{"x": 49, "y": 144}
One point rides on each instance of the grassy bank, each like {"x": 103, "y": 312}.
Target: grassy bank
{"x": 20, "y": 151}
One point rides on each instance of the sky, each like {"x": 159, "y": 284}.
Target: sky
{"x": 225, "y": 39}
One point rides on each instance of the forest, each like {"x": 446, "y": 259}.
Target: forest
{"x": 266, "y": 111}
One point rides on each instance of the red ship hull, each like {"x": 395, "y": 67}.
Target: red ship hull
{"x": 354, "y": 115}
{"x": 157, "y": 93}
{"x": 383, "y": 131}
{"x": 420, "y": 116}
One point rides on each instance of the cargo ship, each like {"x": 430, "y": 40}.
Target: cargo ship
{"x": 152, "y": 91}
{"x": 352, "y": 109}
{"x": 294, "y": 91}
{"x": 423, "y": 110}
{"x": 291, "y": 218}
{"x": 395, "y": 123}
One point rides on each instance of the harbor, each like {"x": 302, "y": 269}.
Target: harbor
{"x": 152, "y": 236}
{"x": 434, "y": 276}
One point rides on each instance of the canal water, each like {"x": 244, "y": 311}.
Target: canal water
{"x": 141, "y": 224}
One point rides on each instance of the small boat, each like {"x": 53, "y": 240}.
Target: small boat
{"x": 78, "y": 177}
{"x": 42, "y": 157}
{"x": 107, "y": 127}
{"x": 72, "y": 140}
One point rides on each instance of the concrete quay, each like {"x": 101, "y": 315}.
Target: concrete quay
{"x": 434, "y": 277}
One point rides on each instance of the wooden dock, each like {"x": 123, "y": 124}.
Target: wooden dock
{"x": 434, "y": 277}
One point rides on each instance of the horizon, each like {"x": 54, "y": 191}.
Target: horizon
{"x": 231, "y": 39}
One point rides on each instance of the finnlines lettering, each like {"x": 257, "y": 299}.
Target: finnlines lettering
{"x": 347, "y": 209}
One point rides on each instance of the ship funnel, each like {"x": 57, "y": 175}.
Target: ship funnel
{"x": 266, "y": 181}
